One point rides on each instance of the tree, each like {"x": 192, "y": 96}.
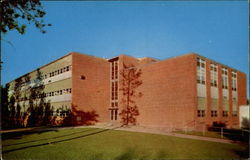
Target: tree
{"x": 12, "y": 111}
{"x": 130, "y": 82}
{"x": 5, "y": 112}
{"x": 37, "y": 102}
{"x": 14, "y": 11}
{"x": 17, "y": 90}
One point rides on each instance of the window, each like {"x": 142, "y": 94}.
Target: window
{"x": 112, "y": 70}
{"x": 224, "y": 78}
{"x": 201, "y": 71}
{"x": 116, "y": 114}
{"x": 225, "y": 113}
{"x": 116, "y": 90}
{"x": 113, "y": 91}
{"x": 213, "y": 113}
{"x": 213, "y": 75}
{"x": 112, "y": 111}
{"x": 201, "y": 113}
{"x": 234, "y": 113}
{"x": 116, "y": 70}
{"x": 234, "y": 81}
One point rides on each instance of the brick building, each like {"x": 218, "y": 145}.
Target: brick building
{"x": 188, "y": 91}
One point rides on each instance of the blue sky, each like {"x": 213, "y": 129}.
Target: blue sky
{"x": 163, "y": 29}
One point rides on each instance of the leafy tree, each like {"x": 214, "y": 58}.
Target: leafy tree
{"x": 18, "y": 95}
{"x": 47, "y": 114}
{"x": 14, "y": 11}
{"x": 130, "y": 82}
{"x": 37, "y": 102}
{"x": 12, "y": 111}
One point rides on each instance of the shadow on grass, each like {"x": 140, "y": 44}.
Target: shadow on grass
{"x": 19, "y": 134}
{"x": 54, "y": 142}
{"x": 243, "y": 153}
{"x": 91, "y": 129}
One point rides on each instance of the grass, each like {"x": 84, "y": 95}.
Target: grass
{"x": 100, "y": 144}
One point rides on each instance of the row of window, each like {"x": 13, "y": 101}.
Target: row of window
{"x": 48, "y": 94}
{"x": 214, "y": 113}
{"x": 58, "y": 92}
{"x": 201, "y": 74}
{"x": 45, "y": 76}
{"x": 57, "y": 72}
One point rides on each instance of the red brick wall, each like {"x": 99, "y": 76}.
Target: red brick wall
{"x": 169, "y": 93}
{"x": 169, "y": 90}
{"x": 93, "y": 92}
{"x": 208, "y": 117}
{"x": 241, "y": 88}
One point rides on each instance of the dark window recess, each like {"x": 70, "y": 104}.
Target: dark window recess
{"x": 225, "y": 113}
{"x": 213, "y": 113}
{"x": 112, "y": 114}
{"x": 116, "y": 114}
{"x": 83, "y": 77}
{"x": 201, "y": 113}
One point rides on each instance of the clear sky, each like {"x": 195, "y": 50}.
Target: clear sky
{"x": 163, "y": 29}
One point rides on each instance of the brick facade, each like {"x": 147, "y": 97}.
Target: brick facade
{"x": 169, "y": 88}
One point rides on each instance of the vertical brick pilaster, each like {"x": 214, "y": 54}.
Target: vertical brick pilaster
{"x": 241, "y": 88}
{"x": 195, "y": 91}
{"x": 220, "y": 97}
{"x": 208, "y": 93}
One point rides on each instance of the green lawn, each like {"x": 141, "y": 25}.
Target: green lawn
{"x": 98, "y": 144}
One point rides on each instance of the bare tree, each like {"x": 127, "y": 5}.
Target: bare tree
{"x": 130, "y": 81}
